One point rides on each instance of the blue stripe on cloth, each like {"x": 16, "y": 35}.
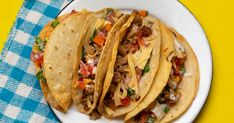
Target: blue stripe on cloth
{"x": 6, "y": 95}
{"x": 21, "y": 99}
{"x": 30, "y": 105}
{"x": 26, "y": 52}
{"x": 51, "y": 11}
{"x": 36, "y": 30}
{"x": 19, "y": 22}
{"x": 17, "y": 74}
{"x": 29, "y": 4}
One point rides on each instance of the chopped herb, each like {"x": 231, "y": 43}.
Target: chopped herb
{"x": 150, "y": 120}
{"x": 166, "y": 109}
{"x": 40, "y": 76}
{"x": 182, "y": 69}
{"x": 92, "y": 37}
{"x": 109, "y": 11}
{"x": 38, "y": 40}
{"x": 40, "y": 43}
{"x": 46, "y": 40}
{"x": 131, "y": 91}
{"x": 41, "y": 46}
{"x": 55, "y": 23}
{"x": 80, "y": 75}
{"x": 83, "y": 54}
{"x": 146, "y": 68}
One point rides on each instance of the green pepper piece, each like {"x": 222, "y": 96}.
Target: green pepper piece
{"x": 40, "y": 76}
{"x": 166, "y": 109}
{"x": 146, "y": 68}
{"x": 83, "y": 54}
{"x": 92, "y": 37}
{"x": 55, "y": 23}
{"x": 131, "y": 91}
{"x": 38, "y": 40}
{"x": 150, "y": 120}
{"x": 182, "y": 69}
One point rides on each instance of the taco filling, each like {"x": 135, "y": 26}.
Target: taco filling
{"x": 131, "y": 64}
{"x": 91, "y": 55}
{"x": 170, "y": 94}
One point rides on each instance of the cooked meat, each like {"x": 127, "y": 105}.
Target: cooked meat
{"x": 124, "y": 68}
{"x": 173, "y": 97}
{"x": 94, "y": 115}
{"x": 123, "y": 48}
{"x": 134, "y": 48}
{"x": 86, "y": 108}
{"x": 137, "y": 20}
{"x": 121, "y": 60}
{"x": 84, "y": 102}
{"x": 117, "y": 77}
{"x": 146, "y": 31}
{"x": 96, "y": 59}
{"x": 89, "y": 89}
{"x": 138, "y": 73}
{"x": 110, "y": 103}
{"x": 172, "y": 84}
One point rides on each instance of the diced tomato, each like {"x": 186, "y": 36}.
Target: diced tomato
{"x": 108, "y": 27}
{"x": 144, "y": 118}
{"x": 141, "y": 42}
{"x": 139, "y": 34}
{"x": 99, "y": 39}
{"x": 81, "y": 84}
{"x": 37, "y": 58}
{"x": 143, "y": 13}
{"x": 90, "y": 67}
{"x": 84, "y": 70}
{"x": 126, "y": 101}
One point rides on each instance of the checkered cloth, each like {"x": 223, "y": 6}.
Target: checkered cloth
{"x": 21, "y": 99}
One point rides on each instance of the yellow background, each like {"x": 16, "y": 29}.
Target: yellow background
{"x": 217, "y": 19}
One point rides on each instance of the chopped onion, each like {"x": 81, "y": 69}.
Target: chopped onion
{"x": 94, "y": 70}
{"x": 158, "y": 110}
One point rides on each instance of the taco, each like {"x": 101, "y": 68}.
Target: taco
{"x": 133, "y": 65}
{"x": 53, "y": 43}
{"x": 94, "y": 56}
{"x": 38, "y": 54}
{"x": 175, "y": 85}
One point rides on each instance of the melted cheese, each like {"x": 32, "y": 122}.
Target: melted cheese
{"x": 140, "y": 58}
{"x": 99, "y": 23}
{"x": 133, "y": 83}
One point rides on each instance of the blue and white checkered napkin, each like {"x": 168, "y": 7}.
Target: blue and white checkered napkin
{"x": 21, "y": 99}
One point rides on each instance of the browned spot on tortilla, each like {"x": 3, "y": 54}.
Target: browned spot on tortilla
{"x": 165, "y": 50}
{"x": 69, "y": 54}
{"x": 56, "y": 48}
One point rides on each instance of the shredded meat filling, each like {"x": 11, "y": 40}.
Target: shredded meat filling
{"x": 170, "y": 95}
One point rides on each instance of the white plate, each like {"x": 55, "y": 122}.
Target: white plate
{"x": 174, "y": 14}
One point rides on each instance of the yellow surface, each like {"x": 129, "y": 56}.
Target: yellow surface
{"x": 217, "y": 18}
{"x": 8, "y": 12}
